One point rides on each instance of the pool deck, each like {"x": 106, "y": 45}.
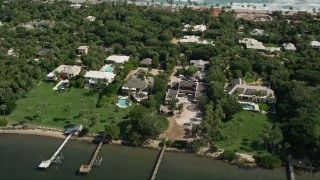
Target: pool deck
{"x": 62, "y": 81}
{"x": 256, "y": 106}
{"x": 106, "y": 66}
{"x": 122, "y": 97}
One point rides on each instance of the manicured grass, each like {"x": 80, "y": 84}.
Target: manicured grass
{"x": 249, "y": 78}
{"x": 58, "y": 101}
{"x": 249, "y": 132}
{"x": 264, "y": 107}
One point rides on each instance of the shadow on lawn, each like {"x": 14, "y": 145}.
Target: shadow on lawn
{"x": 59, "y": 119}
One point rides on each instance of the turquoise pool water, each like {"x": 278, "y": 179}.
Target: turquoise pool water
{"x": 123, "y": 102}
{"x": 61, "y": 86}
{"x": 108, "y": 69}
{"x": 248, "y": 106}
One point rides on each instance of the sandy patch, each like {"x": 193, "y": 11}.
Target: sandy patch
{"x": 174, "y": 132}
{"x": 37, "y": 132}
{"x": 246, "y": 157}
{"x": 190, "y": 114}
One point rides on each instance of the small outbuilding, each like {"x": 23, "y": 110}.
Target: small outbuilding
{"x": 146, "y": 62}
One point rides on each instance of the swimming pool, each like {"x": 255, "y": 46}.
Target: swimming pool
{"x": 108, "y": 69}
{"x": 248, "y": 106}
{"x": 122, "y": 103}
{"x": 61, "y": 86}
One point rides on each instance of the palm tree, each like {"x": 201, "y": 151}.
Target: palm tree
{"x": 4, "y": 107}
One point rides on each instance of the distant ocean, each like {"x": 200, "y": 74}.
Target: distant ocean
{"x": 272, "y": 5}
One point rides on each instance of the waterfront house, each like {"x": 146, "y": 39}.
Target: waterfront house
{"x": 201, "y": 64}
{"x": 194, "y": 39}
{"x": 199, "y": 28}
{"x": 257, "y": 32}
{"x": 289, "y": 47}
{"x": 138, "y": 85}
{"x": 119, "y": 59}
{"x": 90, "y": 18}
{"x": 76, "y": 6}
{"x": 92, "y": 77}
{"x": 251, "y": 43}
{"x": 260, "y": 94}
{"x": 315, "y": 44}
{"x": 216, "y": 12}
{"x": 64, "y": 71}
{"x": 185, "y": 91}
{"x": 146, "y": 62}
{"x": 83, "y": 50}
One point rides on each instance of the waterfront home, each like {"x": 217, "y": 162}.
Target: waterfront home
{"x": 138, "y": 85}
{"x": 251, "y": 43}
{"x": 260, "y": 94}
{"x": 92, "y": 77}
{"x": 289, "y": 47}
{"x": 257, "y": 32}
{"x": 90, "y": 18}
{"x": 119, "y": 59}
{"x": 216, "y": 12}
{"x": 64, "y": 71}
{"x": 194, "y": 39}
{"x": 315, "y": 44}
{"x": 11, "y": 52}
{"x": 83, "y": 50}
{"x": 200, "y": 27}
{"x": 42, "y": 53}
{"x": 201, "y": 64}
{"x": 146, "y": 62}
{"x": 76, "y": 6}
{"x": 273, "y": 49}
{"x": 185, "y": 91}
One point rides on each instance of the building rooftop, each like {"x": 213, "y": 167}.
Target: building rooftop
{"x": 83, "y": 47}
{"x": 315, "y": 43}
{"x": 91, "y": 18}
{"x": 118, "y": 58}
{"x": 289, "y": 46}
{"x": 199, "y": 62}
{"x": 199, "y": 27}
{"x": 100, "y": 75}
{"x": 257, "y": 32}
{"x": 136, "y": 82}
{"x": 252, "y": 44}
{"x": 146, "y": 61}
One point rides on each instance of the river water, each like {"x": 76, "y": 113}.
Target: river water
{"x": 21, "y": 154}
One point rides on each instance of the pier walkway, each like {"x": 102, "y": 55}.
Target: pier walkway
{"x": 291, "y": 170}
{"x": 46, "y": 164}
{"x": 155, "y": 171}
{"x": 85, "y": 169}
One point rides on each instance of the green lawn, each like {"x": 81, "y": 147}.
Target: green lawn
{"x": 58, "y": 101}
{"x": 249, "y": 78}
{"x": 248, "y": 132}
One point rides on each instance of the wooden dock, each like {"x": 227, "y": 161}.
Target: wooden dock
{"x": 85, "y": 169}
{"x": 155, "y": 171}
{"x": 290, "y": 168}
{"x": 55, "y": 157}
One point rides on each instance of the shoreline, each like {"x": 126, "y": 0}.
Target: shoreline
{"x": 152, "y": 144}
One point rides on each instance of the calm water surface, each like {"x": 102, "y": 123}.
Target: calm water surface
{"x": 21, "y": 154}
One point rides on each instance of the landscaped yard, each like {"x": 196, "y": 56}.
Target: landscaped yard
{"x": 249, "y": 131}
{"x": 56, "y": 102}
{"x": 249, "y": 78}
